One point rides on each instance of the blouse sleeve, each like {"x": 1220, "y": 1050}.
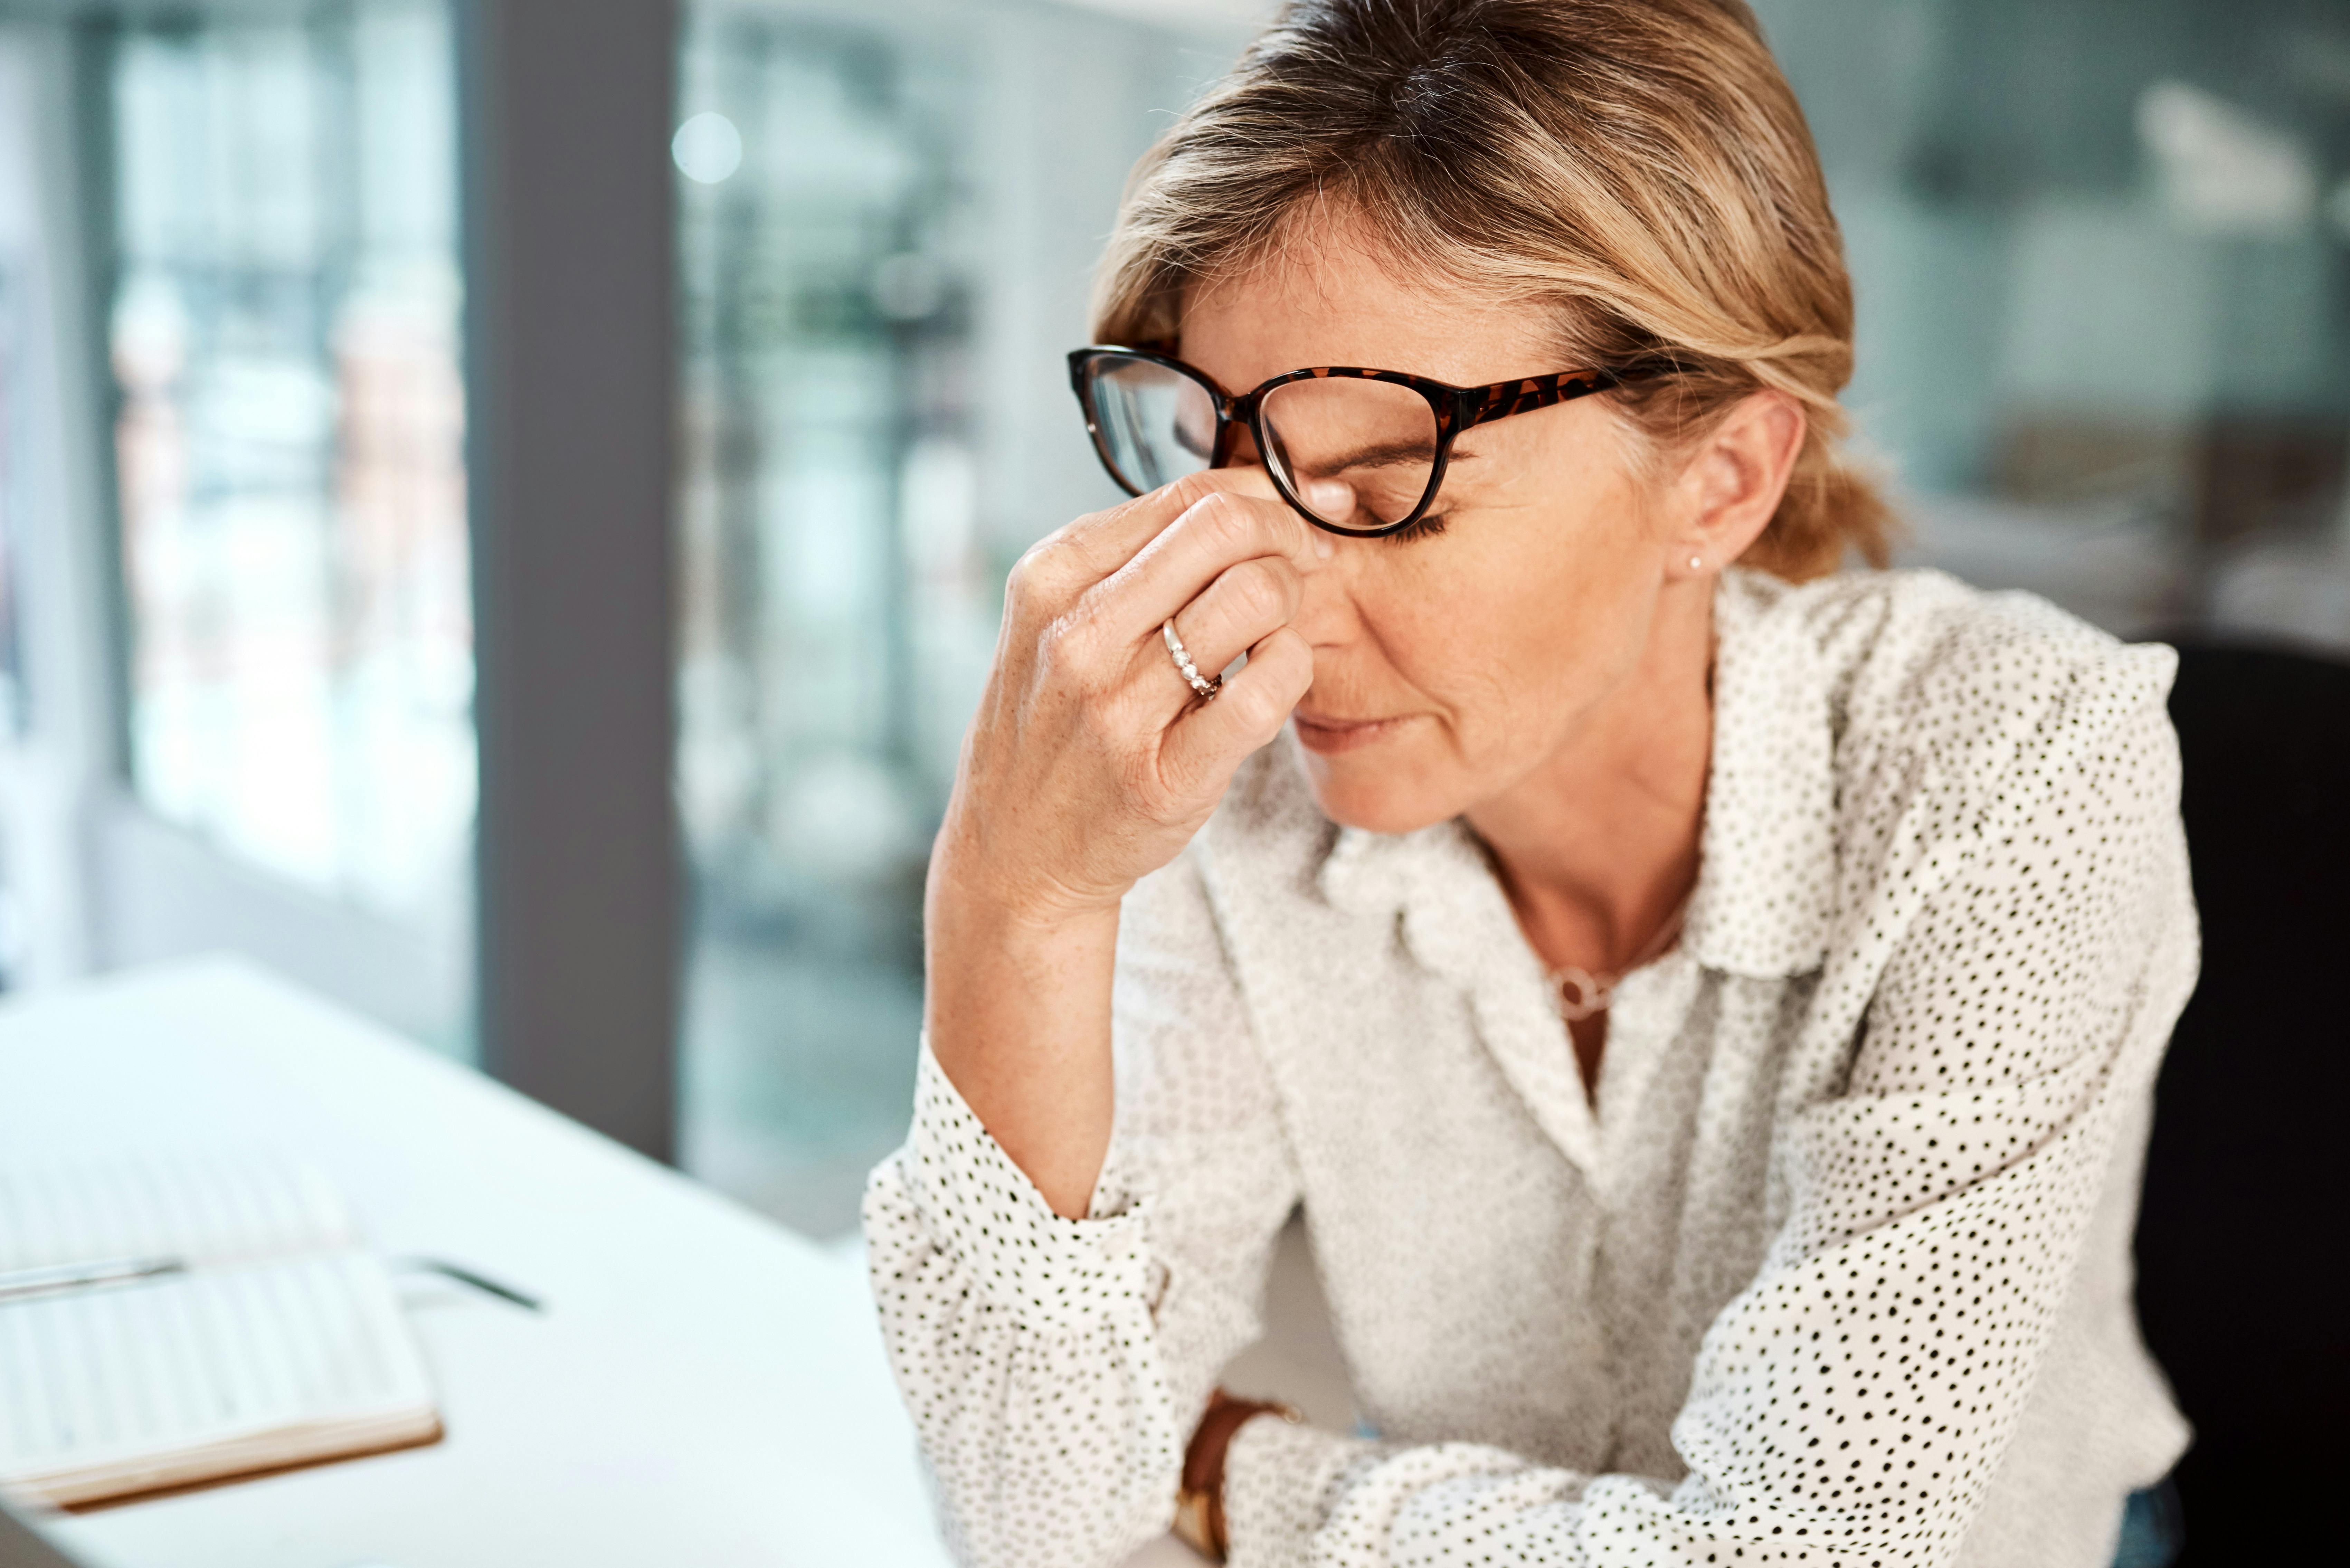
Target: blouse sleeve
{"x": 1056, "y": 1367}
{"x": 1849, "y": 1406}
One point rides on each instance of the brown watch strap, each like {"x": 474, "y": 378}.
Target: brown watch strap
{"x": 1199, "y": 1513}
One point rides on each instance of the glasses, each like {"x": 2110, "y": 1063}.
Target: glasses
{"x": 1359, "y": 453}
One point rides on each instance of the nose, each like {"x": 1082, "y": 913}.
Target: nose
{"x": 1325, "y": 614}
{"x": 1241, "y": 452}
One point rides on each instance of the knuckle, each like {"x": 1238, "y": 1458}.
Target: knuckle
{"x": 1035, "y": 574}
{"x": 1261, "y": 589}
{"x": 1193, "y": 488}
{"x": 1225, "y": 521}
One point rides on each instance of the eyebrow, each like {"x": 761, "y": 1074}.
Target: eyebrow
{"x": 1386, "y": 456}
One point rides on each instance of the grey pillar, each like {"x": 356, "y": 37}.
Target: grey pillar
{"x": 571, "y": 387}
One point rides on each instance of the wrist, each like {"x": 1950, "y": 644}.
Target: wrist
{"x": 1200, "y": 1502}
{"x": 983, "y": 955}
{"x": 964, "y": 900}
{"x": 1017, "y": 1009}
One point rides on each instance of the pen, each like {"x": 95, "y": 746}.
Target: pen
{"x": 479, "y": 1282}
{"x": 16, "y": 1284}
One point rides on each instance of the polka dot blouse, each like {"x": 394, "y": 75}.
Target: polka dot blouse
{"x": 1835, "y": 1270}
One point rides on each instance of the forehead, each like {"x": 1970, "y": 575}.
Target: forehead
{"x": 1323, "y": 294}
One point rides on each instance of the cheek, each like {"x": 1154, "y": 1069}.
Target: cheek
{"x": 1518, "y": 619}
{"x": 1470, "y": 649}
{"x": 1502, "y": 653}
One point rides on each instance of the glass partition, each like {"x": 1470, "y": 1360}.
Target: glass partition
{"x": 828, "y": 569}
{"x": 288, "y": 431}
{"x": 14, "y": 306}
{"x": 886, "y": 222}
{"x": 2102, "y": 252}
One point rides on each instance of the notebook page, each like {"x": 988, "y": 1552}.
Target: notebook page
{"x": 199, "y": 1206}
{"x": 268, "y": 1363}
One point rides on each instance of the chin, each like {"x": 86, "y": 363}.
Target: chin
{"x": 1376, "y": 795}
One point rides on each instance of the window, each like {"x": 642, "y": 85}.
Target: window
{"x": 13, "y": 385}
{"x": 289, "y": 448}
{"x": 834, "y": 596}
{"x": 886, "y": 228}
{"x": 2102, "y": 257}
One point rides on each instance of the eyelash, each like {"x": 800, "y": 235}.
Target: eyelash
{"x": 1428, "y": 527}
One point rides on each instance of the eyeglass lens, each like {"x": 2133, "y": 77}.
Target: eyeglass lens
{"x": 1358, "y": 454}
{"x": 1157, "y": 424}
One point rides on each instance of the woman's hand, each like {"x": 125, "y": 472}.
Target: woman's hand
{"x": 1091, "y": 763}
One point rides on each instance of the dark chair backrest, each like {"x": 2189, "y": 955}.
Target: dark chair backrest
{"x": 2241, "y": 1238}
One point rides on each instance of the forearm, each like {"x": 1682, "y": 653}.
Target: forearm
{"x": 1018, "y": 1012}
{"x": 1019, "y": 1337}
{"x": 1089, "y": 764}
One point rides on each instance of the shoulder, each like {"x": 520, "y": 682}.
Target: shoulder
{"x": 1986, "y": 699}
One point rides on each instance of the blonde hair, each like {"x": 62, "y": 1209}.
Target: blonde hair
{"x": 1639, "y": 166}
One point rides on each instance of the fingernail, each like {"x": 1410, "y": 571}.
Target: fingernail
{"x": 1323, "y": 546}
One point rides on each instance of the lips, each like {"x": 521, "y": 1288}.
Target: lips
{"x": 1328, "y": 736}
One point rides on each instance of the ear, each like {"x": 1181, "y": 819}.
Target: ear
{"x": 1730, "y": 485}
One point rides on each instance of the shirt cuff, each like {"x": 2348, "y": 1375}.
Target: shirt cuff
{"x": 1279, "y": 1481}
{"x": 979, "y": 1208}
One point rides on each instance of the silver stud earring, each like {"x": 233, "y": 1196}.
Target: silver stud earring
{"x": 1697, "y": 563}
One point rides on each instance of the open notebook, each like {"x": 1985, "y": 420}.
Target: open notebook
{"x": 276, "y": 1341}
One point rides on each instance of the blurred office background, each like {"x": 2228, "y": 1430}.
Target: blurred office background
{"x": 251, "y": 542}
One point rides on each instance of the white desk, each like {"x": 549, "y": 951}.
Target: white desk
{"x": 706, "y": 1389}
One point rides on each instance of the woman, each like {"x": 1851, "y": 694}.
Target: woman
{"x": 1707, "y": 1013}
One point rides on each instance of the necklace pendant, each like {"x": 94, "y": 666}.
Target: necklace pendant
{"x": 1581, "y": 994}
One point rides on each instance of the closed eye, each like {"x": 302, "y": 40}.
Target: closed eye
{"x": 1426, "y": 528}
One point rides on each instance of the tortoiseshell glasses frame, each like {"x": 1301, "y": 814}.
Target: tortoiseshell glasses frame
{"x": 1456, "y": 409}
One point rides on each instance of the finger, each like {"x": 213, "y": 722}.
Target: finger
{"x": 1248, "y": 602}
{"x": 1214, "y": 534}
{"x": 1204, "y": 746}
{"x": 1096, "y": 545}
